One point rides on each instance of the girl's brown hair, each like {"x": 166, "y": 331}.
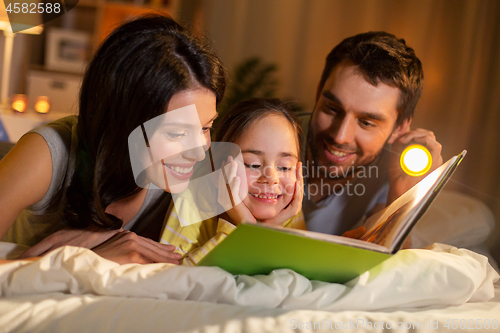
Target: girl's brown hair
{"x": 243, "y": 114}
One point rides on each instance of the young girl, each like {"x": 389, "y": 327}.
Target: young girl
{"x": 73, "y": 181}
{"x": 268, "y": 135}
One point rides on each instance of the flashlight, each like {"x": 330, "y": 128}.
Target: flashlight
{"x": 416, "y": 160}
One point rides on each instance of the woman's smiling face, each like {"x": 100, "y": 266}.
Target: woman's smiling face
{"x": 181, "y": 138}
{"x": 270, "y": 153}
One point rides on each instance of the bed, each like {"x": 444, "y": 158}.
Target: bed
{"x": 72, "y": 289}
{"x": 442, "y": 288}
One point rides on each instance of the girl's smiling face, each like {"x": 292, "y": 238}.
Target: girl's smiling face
{"x": 270, "y": 153}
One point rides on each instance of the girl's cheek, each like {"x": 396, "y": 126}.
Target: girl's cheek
{"x": 252, "y": 182}
{"x": 289, "y": 185}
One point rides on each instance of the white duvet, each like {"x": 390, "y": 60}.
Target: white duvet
{"x": 442, "y": 276}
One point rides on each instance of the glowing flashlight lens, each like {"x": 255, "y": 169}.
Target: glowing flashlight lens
{"x": 416, "y": 160}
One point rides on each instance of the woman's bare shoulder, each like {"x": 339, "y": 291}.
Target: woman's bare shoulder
{"x": 25, "y": 176}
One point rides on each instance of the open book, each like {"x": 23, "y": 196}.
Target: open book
{"x": 259, "y": 249}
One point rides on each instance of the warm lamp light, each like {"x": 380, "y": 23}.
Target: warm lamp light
{"x": 31, "y": 27}
{"x": 19, "y": 102}
{"x": 416, "y": 160}
{"x": 42, "y": 104}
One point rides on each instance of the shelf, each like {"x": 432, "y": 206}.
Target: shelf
{"x": 17, "y": 124}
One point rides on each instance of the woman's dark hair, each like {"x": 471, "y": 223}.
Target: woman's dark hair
{"x": 131, "y": 79}
{"x": 381, "y": 56}
{"x": 243, "y": 114}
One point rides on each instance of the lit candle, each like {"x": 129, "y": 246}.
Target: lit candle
{"x": 42, "y": 104}
{"x": 19, "y": 102}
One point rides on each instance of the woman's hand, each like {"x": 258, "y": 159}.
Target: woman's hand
{"x": 126, "y": 247}
{"x": 295, "y": 205}
{"x": 87, "y": 238}
{"x": 235, "y": 208}
{"x": 120, "y": 246}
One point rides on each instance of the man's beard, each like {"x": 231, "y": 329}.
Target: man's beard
{"x": 325, "y": 171}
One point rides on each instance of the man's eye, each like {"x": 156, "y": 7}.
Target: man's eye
{"x": 252, "y": 166}
{"x": 332, "y": 109}
{"x": 366, "y": 123}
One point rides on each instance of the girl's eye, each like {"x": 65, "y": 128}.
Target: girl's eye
{"x": 252, "y": 166}
{"x": 284, "y": 168}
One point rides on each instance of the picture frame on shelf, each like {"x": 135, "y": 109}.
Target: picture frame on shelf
{"x": 67, "y": 50}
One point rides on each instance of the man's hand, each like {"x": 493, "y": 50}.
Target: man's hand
{"x": 126, "y": 247}
{"x": 399, "y": 181}
{"x": 88, "y": 238}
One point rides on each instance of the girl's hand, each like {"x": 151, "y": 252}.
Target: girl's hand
{"x": 235, "y": 208}
{"x": 295, "y": 205}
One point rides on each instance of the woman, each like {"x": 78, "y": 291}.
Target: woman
{"x": 76, "y": 173}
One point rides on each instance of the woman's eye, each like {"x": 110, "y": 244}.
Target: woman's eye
{"x": 207, "y": 129}
{"x": 252, "y": 166}
{"x": 175, "y": 135}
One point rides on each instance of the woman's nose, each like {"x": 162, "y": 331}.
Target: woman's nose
{"x": 198, "y": 146}
{"x": 195, "y": 154}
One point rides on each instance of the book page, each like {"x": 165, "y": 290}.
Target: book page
{"x": 386, "y": 228}
{"x": 330, "y": 238}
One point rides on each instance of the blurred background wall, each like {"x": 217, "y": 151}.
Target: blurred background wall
{"x": 457, "y": 41}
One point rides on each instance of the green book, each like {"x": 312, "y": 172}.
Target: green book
{"x": 254, "y": 249}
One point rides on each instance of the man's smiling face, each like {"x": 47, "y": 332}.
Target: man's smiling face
{"x": 352, "y": 121}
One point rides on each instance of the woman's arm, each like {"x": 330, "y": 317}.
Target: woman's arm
{"x": 25, "y": 176}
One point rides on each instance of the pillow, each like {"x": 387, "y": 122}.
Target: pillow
{"x": 455, "y": 219}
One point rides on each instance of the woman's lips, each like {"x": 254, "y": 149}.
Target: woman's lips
{"x": 179, "y": 171}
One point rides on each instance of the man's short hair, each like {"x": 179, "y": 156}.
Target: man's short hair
{"x": 382, "y": 57}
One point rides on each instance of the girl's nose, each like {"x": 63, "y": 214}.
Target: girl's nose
{"x": 269, "y": 176}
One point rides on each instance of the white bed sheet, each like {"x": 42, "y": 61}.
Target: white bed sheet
{"x": 90, "y": 313}
{"x": 125, "y": 304}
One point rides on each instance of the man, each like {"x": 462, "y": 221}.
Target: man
{"x": 360, "y": 124}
